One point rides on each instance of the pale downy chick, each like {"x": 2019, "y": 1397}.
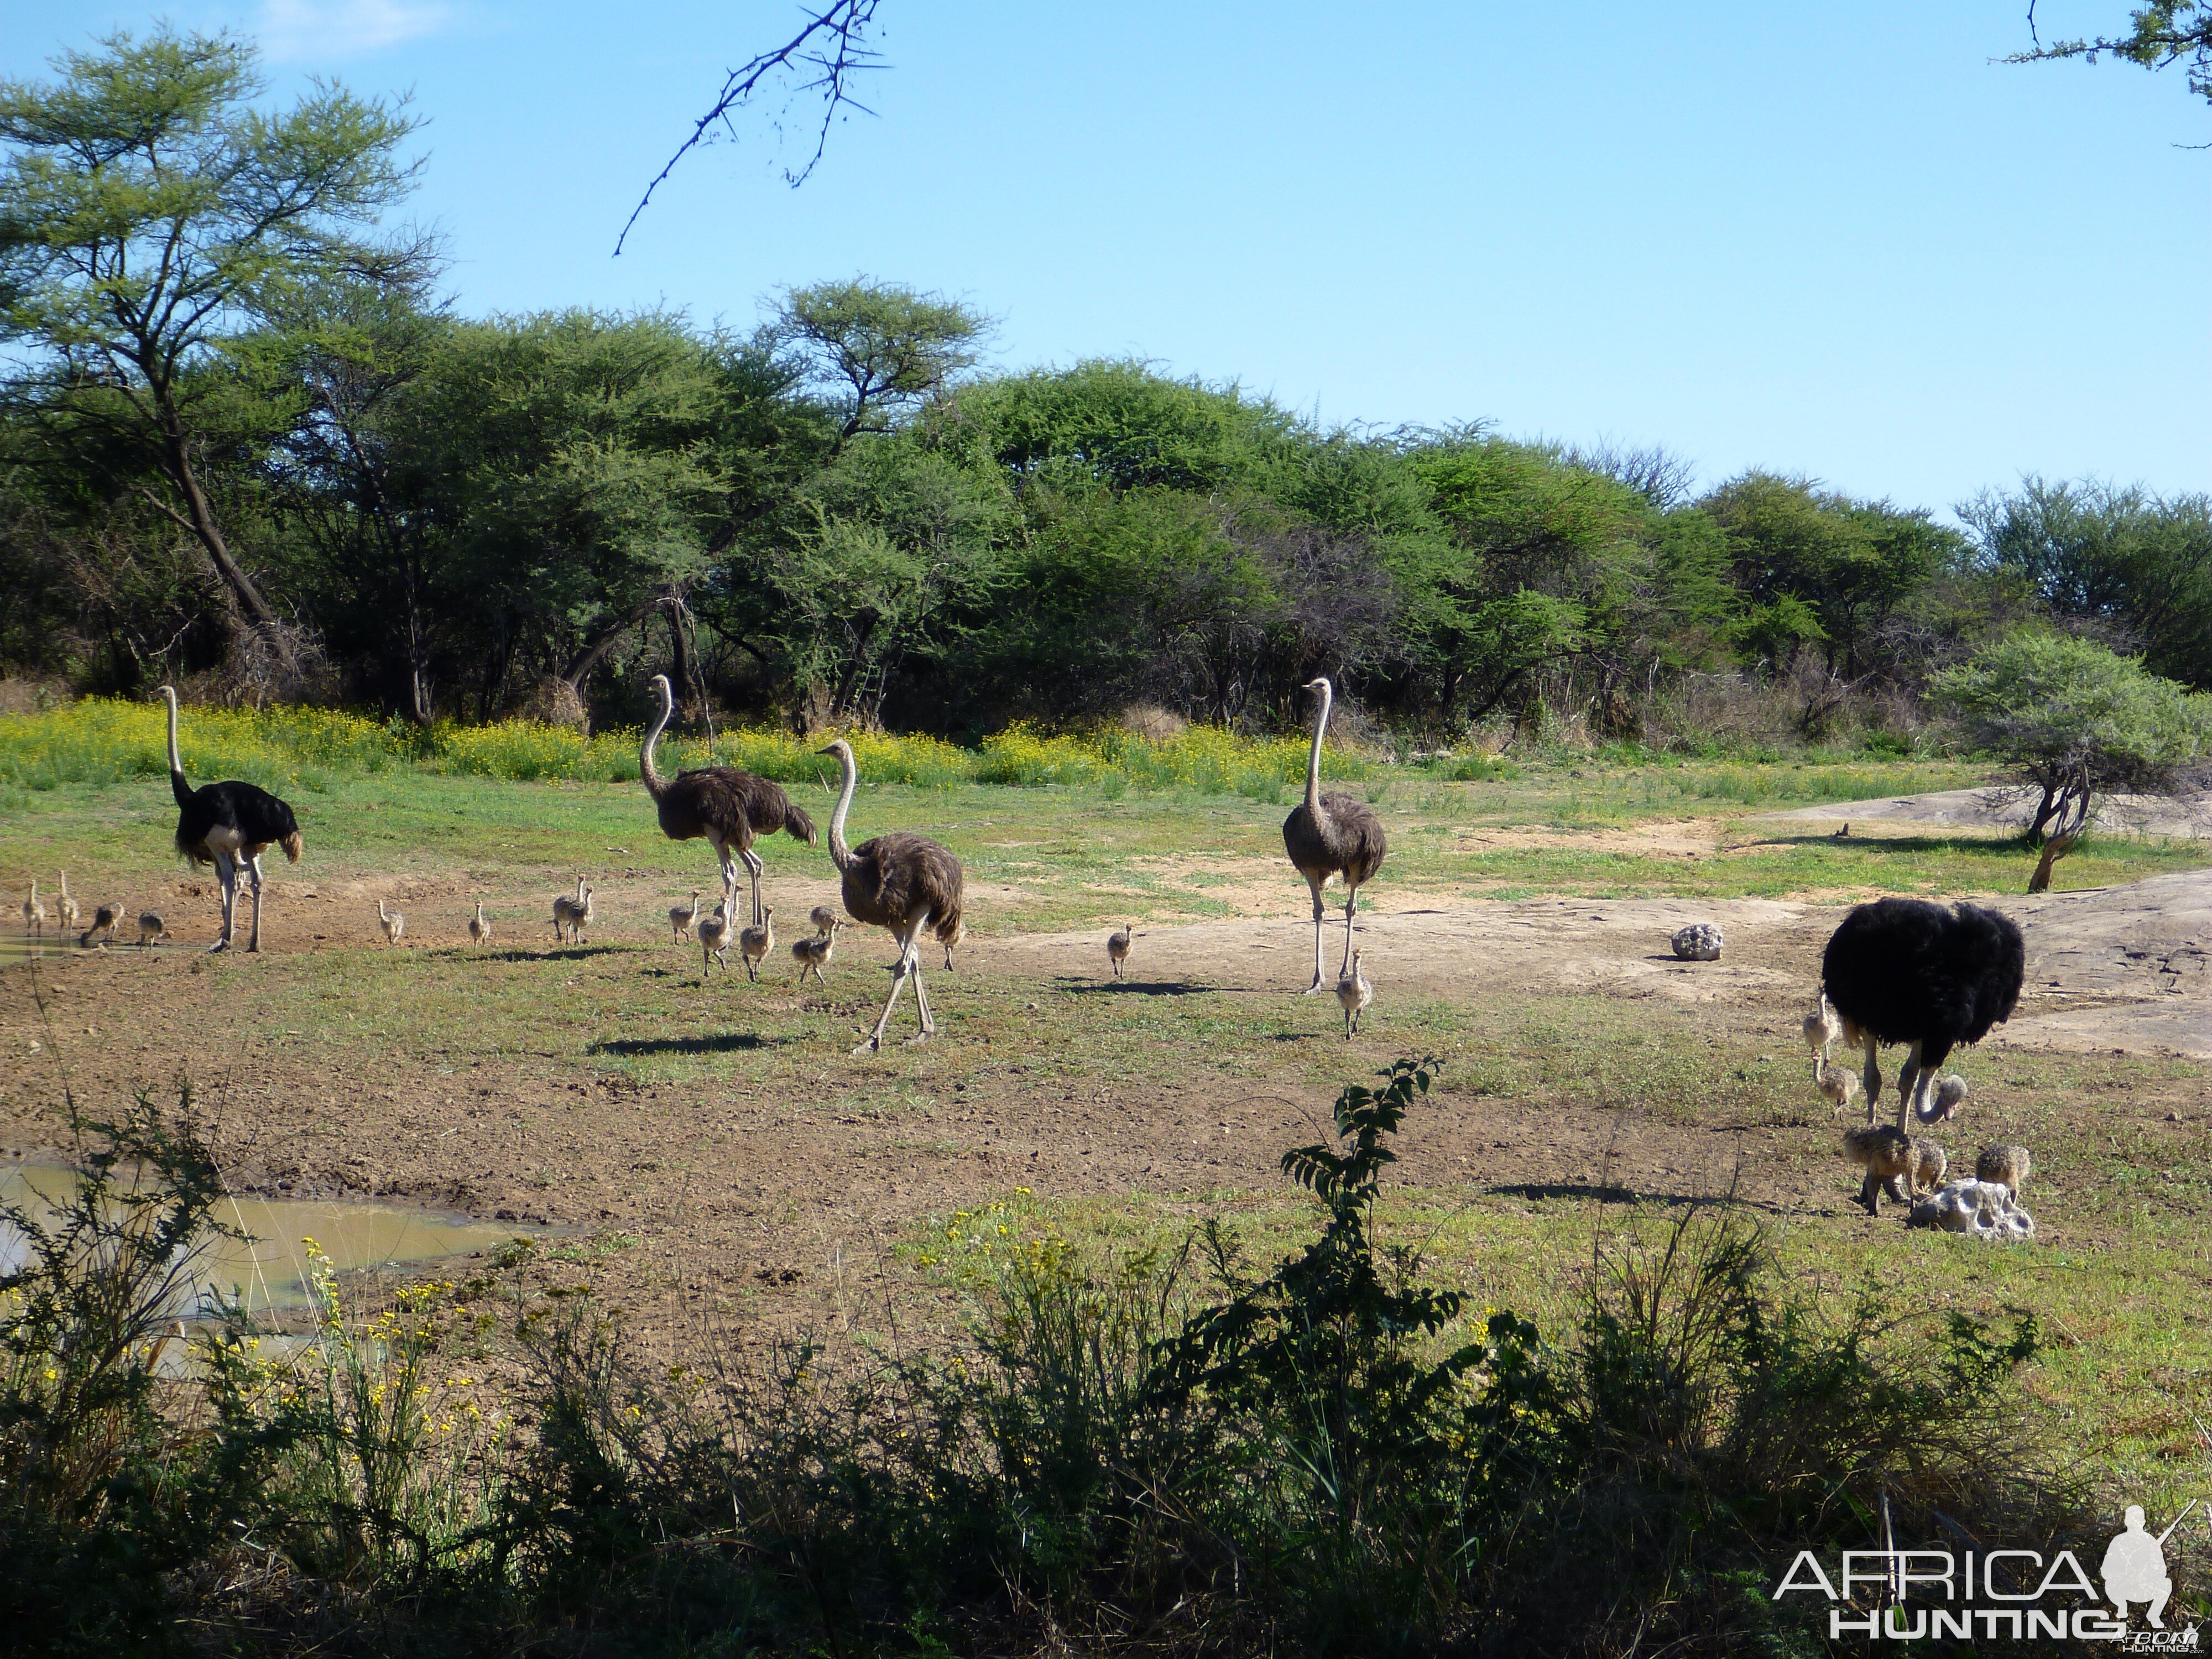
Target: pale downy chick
{"x": 394, "y": 923}
{"x": 682, "y": 918}
{"x": 814, "y": 951}
{"x": 714, "y": 940}
{"x": 755, "y": 943}
{"x": 1355, "y": 993}
{"x": 1117, "y": 946}
{"x": 479, "y": 929}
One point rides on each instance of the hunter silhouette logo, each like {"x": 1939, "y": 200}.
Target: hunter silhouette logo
{"x": 2004, "y": 1595}
{"x": 2134, "y": 1567}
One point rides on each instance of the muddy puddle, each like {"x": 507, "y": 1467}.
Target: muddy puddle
{"x": 269, "y": 1269}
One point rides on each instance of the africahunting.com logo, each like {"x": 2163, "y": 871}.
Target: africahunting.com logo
{"x": 2004, "y": 1596}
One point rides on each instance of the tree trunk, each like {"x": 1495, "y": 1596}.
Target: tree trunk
{"x": 679, "y": 659}
{"x": 594, "y": 649}
{"x": 199, "y": 518}
{"x": 421, "y": 708}
{"x": 2045, "y": 810}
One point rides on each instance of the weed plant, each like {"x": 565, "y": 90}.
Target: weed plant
{"x": 104, "y": 741}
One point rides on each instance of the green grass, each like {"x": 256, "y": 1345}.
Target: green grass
{"x": 2129, "y": 1194}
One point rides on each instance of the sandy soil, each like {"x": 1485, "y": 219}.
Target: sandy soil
{"x": 736, "y": 1195}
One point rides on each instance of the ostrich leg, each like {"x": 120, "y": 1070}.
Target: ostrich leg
{"x": 1351, "y": 910}
{"x": 1872, "y": 1075}
{"x": 907, "y": 963}
{"x": 1909, "y": 1080}
{"x": 228, "y": 878}
{"x": 253, "y": 945}
{"x": 756, "y": 869}
{"x": 921, "y": 1000}
{"x": 1319, "y": 912}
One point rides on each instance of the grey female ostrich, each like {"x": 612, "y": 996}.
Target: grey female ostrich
{"x": 1332, "y": 835}
{"x": 229, "y": 826}
{"x": 1905, "y": 970}
{"x": 727, "y": 807}
{"x": 905, "y": 883}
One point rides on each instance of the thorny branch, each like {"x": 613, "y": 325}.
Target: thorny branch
{"x": 834, "y": 45}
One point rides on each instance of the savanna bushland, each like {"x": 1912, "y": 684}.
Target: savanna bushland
{"x": 1145, "y": 1313}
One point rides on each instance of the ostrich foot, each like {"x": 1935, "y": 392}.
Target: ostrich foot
{"x": 869, "y": 1047}
{"x": 919, "y": 1038}
{"x": 219, "y": 945}
{"x": 1315, "y": 989}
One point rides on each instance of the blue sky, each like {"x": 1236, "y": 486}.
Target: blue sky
{"x": 1838, "y": 241}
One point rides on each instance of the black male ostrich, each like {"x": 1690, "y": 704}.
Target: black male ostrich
{"x": 1905, "y": 970}
{"x": 229, "y": 826}
{"x": 905, "y": 883}
{"x": 727, "y": 807}
{"x": 1332, "y": 835}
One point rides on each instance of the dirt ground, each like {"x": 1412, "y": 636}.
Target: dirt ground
{"x": 741, "y": 1193}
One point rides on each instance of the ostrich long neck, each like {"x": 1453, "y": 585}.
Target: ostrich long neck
{"x": 655, "y": 784}
{"x": 840, "y": 854}
{"x": 178, "y": 785}
{"x": 1312, "y": 763}
{"x": 176, "y": 761}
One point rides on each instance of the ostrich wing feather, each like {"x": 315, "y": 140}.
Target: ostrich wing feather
{"x": 896, "y": 877}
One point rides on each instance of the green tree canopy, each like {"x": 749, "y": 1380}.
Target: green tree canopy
{"x": 2138, "y": 564}
{"x": 2077, "y": 720}
{"x": 876, "y": 349}
{"x": 150, "y": 214}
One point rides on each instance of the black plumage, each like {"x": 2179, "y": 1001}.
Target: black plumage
{"x": 229, "y": 826}
{"x": 1905, "y": 971}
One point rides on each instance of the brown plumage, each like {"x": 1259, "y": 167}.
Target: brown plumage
{"x": 905, "y": 884}
{"x": 1330, "y": 836}
{"x": 731, "y": 809}
{"x": 2008, "y": 1164}
{"x": 1895, "y": 1163}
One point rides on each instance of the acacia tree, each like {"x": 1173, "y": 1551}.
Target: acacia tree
{"x": 2163, "y": 33}
{"x": 150, "y": 217}
{"x": 878, "y": 350}
{"x": 2077, "y": 720}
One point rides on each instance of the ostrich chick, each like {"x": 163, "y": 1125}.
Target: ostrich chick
{"x": 394, "y": 923}
{"x": 1117, "y": 945}
{"x": 1930, "y": 1163}
{"x": 34, "y": 913}
{"x": 1823, "y": 1029}
{"x": 2007, "y": 1165}
{"x": 812, "y": 952}
{"x": 755, "y": 943}
{"x": 1836, "y": 1083}
{"x": 1885, "y": 1153}
{"x": 479, "y": 929}
{"x": 823, "y": 918}
{"x": 103, "y": 925}
{"x": 714, "y": 938}
{"x": 567, "y": 912}
{"x": 682, "y": 918}
{"x": 1353, "y": 991}
{"x": 152, "y": 930}
{"x": 66, "y": 910}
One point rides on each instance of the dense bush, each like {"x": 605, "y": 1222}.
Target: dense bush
{"x": 1324, "y": 1455}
